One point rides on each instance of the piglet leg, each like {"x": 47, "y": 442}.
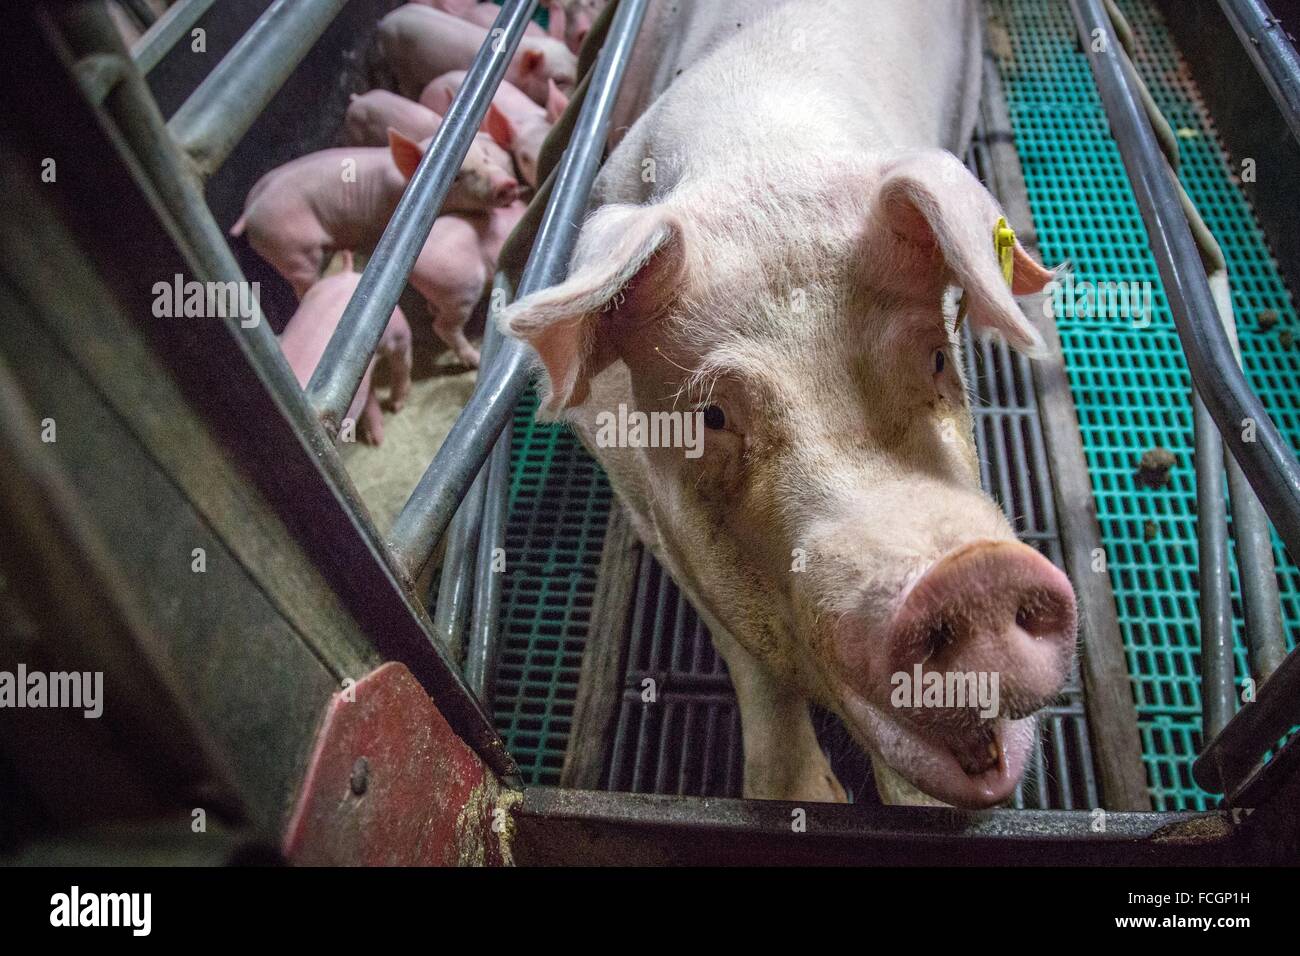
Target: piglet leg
{"x": 399, "y": 376}
{"x": 449, "y": 318}
{"x": 371, "y": 429}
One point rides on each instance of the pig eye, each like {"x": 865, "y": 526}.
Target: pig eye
{"x": 714, "y": 417}
{"x": 940, "y": 361}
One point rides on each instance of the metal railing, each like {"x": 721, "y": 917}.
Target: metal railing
{"x": 166, "y": 32}
{"x": 430, "y": 508}
{"x": 1272, "y": 52}
{"x": 179, "y": 154}
{"x": 215, "y": 117}
{"x": 457, "y": 493}
{"x": 335, "y": 381}
{"x": 1226, "y": 411}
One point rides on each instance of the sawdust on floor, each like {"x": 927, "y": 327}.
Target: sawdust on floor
{"x": 386, "y": 476}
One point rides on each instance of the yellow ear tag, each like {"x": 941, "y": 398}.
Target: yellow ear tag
{"x": 1004, "y": 241}
{"x": 1004, "y": 244}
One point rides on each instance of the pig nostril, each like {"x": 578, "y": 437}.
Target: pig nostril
{"x": 939, "y": 637}
{"x": 1039, "y": 620}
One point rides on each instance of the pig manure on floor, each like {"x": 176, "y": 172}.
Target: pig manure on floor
{"x": 1154, "y": 466}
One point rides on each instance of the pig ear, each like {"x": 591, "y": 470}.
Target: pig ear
{"x": 558, "y": 20}
{"x": 933, "y": 203}
{"x": 629, "y": 264}
{"x": 556, "y": 102}
{"x": 406, "y": 153}
{"x": 499, "y": 127}
{"x": 532, "y": 60}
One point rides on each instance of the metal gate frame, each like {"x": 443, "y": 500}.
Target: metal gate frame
{"x": 277, "y": 441}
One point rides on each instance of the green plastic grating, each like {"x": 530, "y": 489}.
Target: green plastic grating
{"x": 1131, "y": 385}
{"x": 559, "y": 504}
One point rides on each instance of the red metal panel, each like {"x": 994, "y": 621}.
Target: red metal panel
{"x": 390, "y": 784}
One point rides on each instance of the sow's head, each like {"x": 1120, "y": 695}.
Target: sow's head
{"x": 834, "y": 524}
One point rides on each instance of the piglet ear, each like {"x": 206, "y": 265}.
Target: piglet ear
{"x": 629, "y": 264}
{"x": 557, "y": 20}
{"x": 499, "y": 127}
{"x": 943, "y": 219}
{"x": 532, "y": 60}
{"x": 406, "y": 152}
{"x": 556, "y": 102}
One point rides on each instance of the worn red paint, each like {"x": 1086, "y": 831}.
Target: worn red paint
{"x": 427, "y": 799}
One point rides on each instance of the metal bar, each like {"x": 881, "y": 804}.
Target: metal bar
{"x": 1268, "y": 461}
{"x": 432, "y": 504}
{"x": 484, "y": 632}
{"x": 1212, "y": 573}
{"x": 1266, "y": 785}
{"x": 457, "y": 584}
{"x": 455, "y": 591}
{"x": 1232, "y": 756}
{"x": 216, "y": 116}
{"x": 459, "y": 581}
{"x": 555, "y": 826}
{"x": 1265, "y": 641}
{"x": 344, "y": 362}
{"x": 167, "y": 31}
{"x": 1271, "y": 50}
{"x": 140, "y": 11}
{"x": 427, "y": 512}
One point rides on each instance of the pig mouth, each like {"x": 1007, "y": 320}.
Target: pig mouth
{"x": 975, "y": 768}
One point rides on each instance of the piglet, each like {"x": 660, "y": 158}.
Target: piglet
{"x": 420, "y": 43}
{"x": 571, "y": 20}
{"x": 513, "y": 120}
{"x": 455, "y": 266}
{"x": 304, "y": 339}
{"x": 484, "y": 14}
{"x": 371, "y": 115}
{"x": 343, "y": 198}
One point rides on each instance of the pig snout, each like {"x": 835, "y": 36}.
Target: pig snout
{"x": 481, "y": 188}
{"x": 983, "y": 639}
{"x": 994, "y": 608}
{"x": 505, "y": 191}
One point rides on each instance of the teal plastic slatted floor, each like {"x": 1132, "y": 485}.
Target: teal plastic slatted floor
{"x": 1131, "y": 384}
{"x": 1131, "y": 387}
{"x": 559, "y": 505}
